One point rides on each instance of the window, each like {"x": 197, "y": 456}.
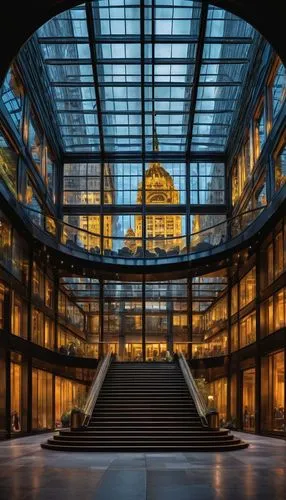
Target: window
{"x": 50, "y": 174}
{"x": 247, "y": 330}
{"x": 207, "y": 183}
{"x": 49, "y": 290}
{"x": 35, "y": 142}
{"x": 19, "y": 316}
{"x": 233, "y": 396}
{"x": 20, "y": 261}
{"x": 16, "y": 392}
{"x": 278, "y": 90}
{"x": 273, "y": 313}
{"x": 68, "y": 394}
{"x": 234, "y": 337}
{"x": 5, "y": 240}
{"x": 280, "y": 168}
{"x": 123, "y": 183}
{"x": 234, "y": 299}
{"x": 248, "y": 400}
{"x": 278, "y": 255}
{"x": 218, "y": 391}
{"x": 12, "y": 94}
{"x": 42, "y": 399}
{"x": 259, "y": 131}
{"x": 37, "y": 327}
{"x": 38, "y": 282}
{"x": 247, "y": 288}
{"x": 49, "y": 341}
{"x": 82, "y": 184}
{"x": 8, "y": 164}
{"x": 82, "y": 231}
{"x": 34, "y": 205}
{"x": 272, "y": 392}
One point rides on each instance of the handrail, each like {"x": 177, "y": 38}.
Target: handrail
{"x": 230, "y": 231}
{"x": 180, "y": 236}
{"x": 95, "y": 387}
{"x": 193, "y": 388}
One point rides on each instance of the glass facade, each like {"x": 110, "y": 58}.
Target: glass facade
{"x": 42, "y": 395}
{"x": 123, "y": 117}
{"x": 248, "y": 400}
{"x": 273, "y": 393}
{"x": 139, "y": 152}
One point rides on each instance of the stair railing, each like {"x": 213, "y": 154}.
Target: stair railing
{"x": 193, "y": 388}
{"x": 95, "y": 387}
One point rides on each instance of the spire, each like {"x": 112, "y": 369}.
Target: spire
{"x": 155, "y": 137}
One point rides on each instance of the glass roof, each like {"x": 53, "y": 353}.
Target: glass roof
{"x": 116, "y": 68}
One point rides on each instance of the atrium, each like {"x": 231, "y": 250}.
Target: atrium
{"x": 142, "y": 221}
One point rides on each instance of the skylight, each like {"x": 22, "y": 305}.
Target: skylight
{"x": 116, "y": 67}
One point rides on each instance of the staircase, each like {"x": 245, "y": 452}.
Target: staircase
{"x": 144, "y": 407}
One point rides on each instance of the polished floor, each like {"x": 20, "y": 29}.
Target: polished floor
{"x": 28, "y": 472}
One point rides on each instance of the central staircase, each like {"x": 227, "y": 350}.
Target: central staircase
{"x": 144, "y": 407}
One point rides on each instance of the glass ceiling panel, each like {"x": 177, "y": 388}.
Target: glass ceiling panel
{"x": 226, "y": 53}
{"x": 105, "y": 74}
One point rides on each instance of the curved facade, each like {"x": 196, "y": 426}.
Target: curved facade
{"x": 143, "y": 169}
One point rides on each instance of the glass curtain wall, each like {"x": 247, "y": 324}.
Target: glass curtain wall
{"x": 273, "y": 393}
{"x": 248, "y": 399}
{"x": 16, "y": 392}
{"x": 42, "y": 397}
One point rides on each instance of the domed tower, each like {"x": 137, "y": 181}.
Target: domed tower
{"x": 159, "y": 190}
{"x": 130, "y": 243}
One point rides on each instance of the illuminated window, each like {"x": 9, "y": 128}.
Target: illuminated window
{"x": 247, "y": 328}
{"x": 247, "y": 288}
{"x": 8, "y": 164}
{"x": 278, "y": 254}
{"x": 280, "y": 168}
{"x": 38, "y": 282}
{"x": 19, "y": 316}
{"x": 16, "y": 392}
{"x": 248, "y": 400}
{"x": 38, "y": 327}
{"x": 234, "y": 337}
{"x": 259, "y": 131}
{"x": 272, "y": 391}
{"x": 42, "y": 399}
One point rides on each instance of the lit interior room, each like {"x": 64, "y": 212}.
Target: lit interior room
{"x": 143, "y": 250}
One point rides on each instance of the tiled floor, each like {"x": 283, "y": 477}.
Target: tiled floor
{"x": 27, "y": 472}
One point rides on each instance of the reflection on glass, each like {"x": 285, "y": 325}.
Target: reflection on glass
{"x": 35, "y": 142}
{"x": 247, "y": 330}
{"x": 68, "y": 394}
{"x": 8, "y": 164}
{"x": 247, "y": 288}
{"x": 248, "y": 398}
{"x": 278, "y": 90}
{"x": 280, "y": 168}
{"x": 12, "y": 94}
{"x": 16, "y": 392}
{"x": 42, "y": 399}
{"x": 207, "y": 183}
{"x": 273, "y": 313}
{"x": 218, "y": 390}
{"x": 19, "y": 316}
{"x": 204, "y": 235}
{"x": 273, "y": 392}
